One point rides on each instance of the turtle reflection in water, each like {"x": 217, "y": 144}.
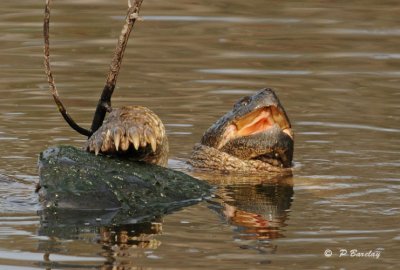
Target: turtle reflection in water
{"x": 260, "y": 209}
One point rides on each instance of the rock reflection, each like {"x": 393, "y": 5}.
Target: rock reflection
{"x": 120, "y": 243}
{"x": 120, "y": 238}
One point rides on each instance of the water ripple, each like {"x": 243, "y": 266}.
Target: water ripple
{"x": 33, "y": 256}
{"x": 229, "y": 71}
{"x": 328, "y": 232}
{"x": 363, "y": 193}
{"x": 273, "y": 72}
{"x": 326, "y": 55}
{"x": 364, "y": 32}
{"x": 214, "y": 19}
{"x": 231, "y": 91}
{"x": 229, "y": 82}
{"x": 343, "y": 125}
{"x": 344, "y": 177}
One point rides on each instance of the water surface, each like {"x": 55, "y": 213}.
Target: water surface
{"x": 336, "y": 68}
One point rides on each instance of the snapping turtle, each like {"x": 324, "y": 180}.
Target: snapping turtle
{"x": 254, "y": 136}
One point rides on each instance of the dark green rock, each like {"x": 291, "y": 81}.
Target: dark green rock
{"x": 72, "y": 179}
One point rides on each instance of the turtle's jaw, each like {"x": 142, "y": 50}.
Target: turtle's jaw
{"x": 259, "y": 121}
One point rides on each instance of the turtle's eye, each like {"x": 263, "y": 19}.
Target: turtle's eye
{"x": 244, "y": 101}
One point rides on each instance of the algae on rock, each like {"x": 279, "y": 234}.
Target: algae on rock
{"x": 71, "y": 178}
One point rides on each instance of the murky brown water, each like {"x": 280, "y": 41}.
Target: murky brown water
{"x": 336, "y": 68}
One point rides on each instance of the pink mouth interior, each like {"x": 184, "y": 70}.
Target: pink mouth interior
{"x": 256, "y": 122}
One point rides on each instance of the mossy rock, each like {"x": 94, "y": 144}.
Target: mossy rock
{"x": 72, "y": 179}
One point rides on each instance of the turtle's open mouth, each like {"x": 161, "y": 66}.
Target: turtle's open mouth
{"x": 255, "y": 122}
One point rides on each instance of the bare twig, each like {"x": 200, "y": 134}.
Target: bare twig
{"x": 50, "y": 77}
{"x": 104, "y": 103}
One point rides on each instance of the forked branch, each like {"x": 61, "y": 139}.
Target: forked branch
{"x": 50, "y": 77}
{"x": 104, "y": 103}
